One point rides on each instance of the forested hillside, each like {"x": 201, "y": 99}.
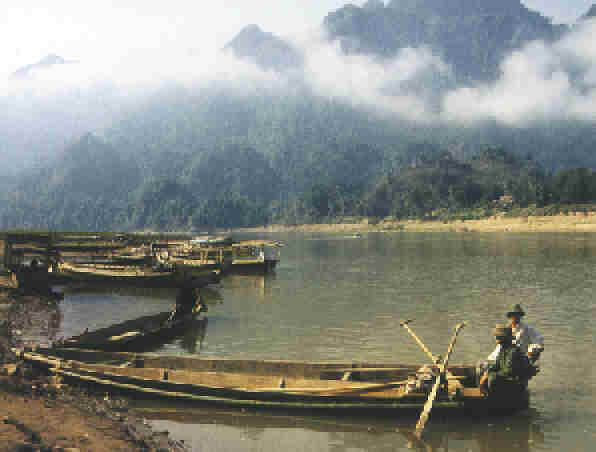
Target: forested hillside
{"x": 94, "y": 188}
{"x": 471, "y": 35}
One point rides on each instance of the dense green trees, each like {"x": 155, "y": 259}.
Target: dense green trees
{"x": 441, "y": 183}
{"x": 96, "y": 188}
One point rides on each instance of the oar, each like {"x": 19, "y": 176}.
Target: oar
{"x": 433, "y": 358}
{"x": 433, "y": 394}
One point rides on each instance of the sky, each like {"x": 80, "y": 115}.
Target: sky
{"x": 115, "y": 29}
{"x": 31, "y": 29}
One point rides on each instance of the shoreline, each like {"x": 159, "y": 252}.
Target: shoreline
{"x": 578, "y": 222}
{"x": 39, "y": 412}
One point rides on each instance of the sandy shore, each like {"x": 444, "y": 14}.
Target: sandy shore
{"x": 561, "y": 223}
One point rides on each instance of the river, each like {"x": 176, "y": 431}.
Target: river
{"x": 335, "y": 297}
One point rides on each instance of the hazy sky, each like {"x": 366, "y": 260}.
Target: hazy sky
{"x": 107, "y": 29}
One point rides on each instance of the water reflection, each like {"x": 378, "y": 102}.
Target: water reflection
{"x": 217, "y": 430}
{"x": 119, "y": 290}
{"x": 210, "y": 295}
{"x": 250, "y": 285}
{"x": 193, "y": 338}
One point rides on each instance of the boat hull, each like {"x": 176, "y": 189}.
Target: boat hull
{"x": 248, "y": 384}
{"x": 140, "y": 279}
{"x": 255, "y": 268}
{"x": 152, "y": 330}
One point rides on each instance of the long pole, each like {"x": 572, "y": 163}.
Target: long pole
{"x": 433, "y": 394}
{"x": 433, "y": 358}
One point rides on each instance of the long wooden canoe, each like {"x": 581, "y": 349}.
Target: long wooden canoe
{"x": 369, "y": 388}
{"x": 138, "y": 334}
{"x": 132, "y": 275}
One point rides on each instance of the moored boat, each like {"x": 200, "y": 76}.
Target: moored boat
{"x": 137, "y": 334}
{"x": 369, "y": 388}
{"x": 255, "y": 256}
{"x": 133, "y": 275}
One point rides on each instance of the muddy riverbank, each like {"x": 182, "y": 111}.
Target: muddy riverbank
{"x": 39, "y": 413}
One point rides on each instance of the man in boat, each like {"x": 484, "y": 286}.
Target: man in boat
{"x": 511, "y": 368}
{"x": 188, "y": 301}
{"x": 529, "y": 341}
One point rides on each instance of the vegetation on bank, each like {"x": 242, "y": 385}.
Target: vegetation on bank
{"x": 239, "y": 188}
{"x": 439, "y": 187}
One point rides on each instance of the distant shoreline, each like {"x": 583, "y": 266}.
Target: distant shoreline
{"x": 573, "y": 222}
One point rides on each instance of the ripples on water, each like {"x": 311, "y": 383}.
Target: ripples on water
{"x": 338, "y": 298}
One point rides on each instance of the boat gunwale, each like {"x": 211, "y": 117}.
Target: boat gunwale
{"x": 241, "y": 397}
{"x": 238, "y": 396}
{"x": 332, "y": 365}
{"x": 250, "y": 403}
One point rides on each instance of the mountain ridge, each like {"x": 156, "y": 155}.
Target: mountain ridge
{"x": 46, "y": 62}
{"x": 265, "y": 49}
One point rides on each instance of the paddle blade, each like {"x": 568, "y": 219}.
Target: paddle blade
{"x": 428, "y": 406}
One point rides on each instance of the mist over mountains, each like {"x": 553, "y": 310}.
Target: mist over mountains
{"x": 265, "y": 49}
{"x": 45, "y": 63}
{"x": 256, "y": 132}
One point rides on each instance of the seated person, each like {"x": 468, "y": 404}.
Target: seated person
{"x": 188, "y": 301}
{"x": 511, "y": 366}
{"x": 525, "y": 336}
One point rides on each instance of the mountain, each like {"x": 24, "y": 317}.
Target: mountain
{"x": 265, "y": 49}
{"x": 472, "y": 36}
{"x": 86, "y": 188}
{"x": 591, "y": 13}
{"x": 45, "y": 63}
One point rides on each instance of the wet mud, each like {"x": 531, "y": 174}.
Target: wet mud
{"x": 38, "y": 412}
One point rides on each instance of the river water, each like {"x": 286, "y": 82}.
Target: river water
{"x": 335, "y": 297}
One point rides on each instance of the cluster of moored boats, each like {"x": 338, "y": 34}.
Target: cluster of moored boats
{"x": 135, "y": 259}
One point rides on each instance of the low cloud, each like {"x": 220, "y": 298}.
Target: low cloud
{"x": 394, "y": 86}
{"x": 540, "y": 82}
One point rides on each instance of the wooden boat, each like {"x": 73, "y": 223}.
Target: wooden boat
{"x": 367, "y": 388}
{"x": 201, "y": 260}
{"x": 138, "y": 334}
{"x": 133, "y": 275}
{"x": 211, "y": 241}
{"x": 249, "y": 256}
{"x": 255, "y": 256}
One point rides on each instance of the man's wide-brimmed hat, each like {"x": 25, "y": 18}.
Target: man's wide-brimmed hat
{"x": 502, "y": 332}
{"x": 516, "y": 309}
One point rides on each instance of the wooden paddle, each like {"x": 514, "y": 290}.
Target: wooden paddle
{"x": 433, "y": 394}
{"x": 433, "y": 358}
